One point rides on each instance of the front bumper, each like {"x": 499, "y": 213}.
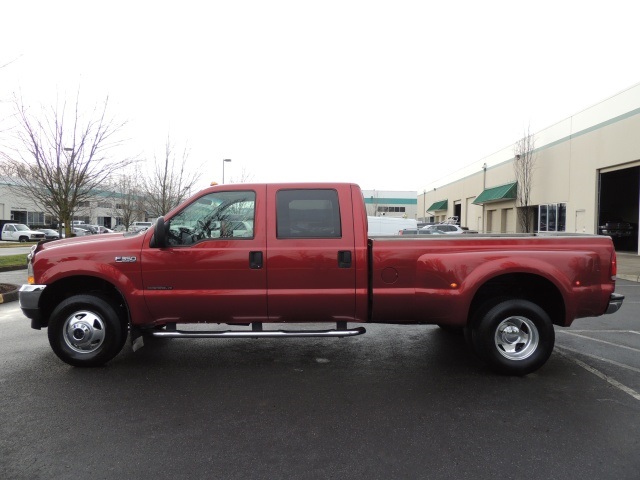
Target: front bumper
{"x": 29, "y": 297}
{"x": 615, "y": 302}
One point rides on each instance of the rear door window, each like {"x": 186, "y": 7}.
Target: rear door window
{"x": 308, "y": 213}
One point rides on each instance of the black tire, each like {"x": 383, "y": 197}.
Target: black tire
{"x": 23, "y": 239}
{"x": 515, "y": 337}
{"x": 86, "y": 330}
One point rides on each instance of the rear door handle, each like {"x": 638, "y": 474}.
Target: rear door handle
{"x": 344, "y": 259}
{"x": 255, "y": 260}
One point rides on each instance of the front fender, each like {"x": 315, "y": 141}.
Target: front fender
{"x": 126, "y": 278}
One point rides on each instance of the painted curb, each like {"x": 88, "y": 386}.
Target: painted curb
{"x": 10, "y": 296}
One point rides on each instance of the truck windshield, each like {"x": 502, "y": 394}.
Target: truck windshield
{"x": 21, "y": 228}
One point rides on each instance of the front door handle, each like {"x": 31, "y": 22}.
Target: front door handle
{"x": 255, "y": 260}
{"x": 344, "y": 259}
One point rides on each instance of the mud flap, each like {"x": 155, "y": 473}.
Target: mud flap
{"x": 137, "y": 340}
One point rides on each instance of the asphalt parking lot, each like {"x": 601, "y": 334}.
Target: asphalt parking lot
{"x": 398, "y": 402}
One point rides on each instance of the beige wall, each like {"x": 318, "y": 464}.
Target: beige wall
{"x": 569, "y": 158}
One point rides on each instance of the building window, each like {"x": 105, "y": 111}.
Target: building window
{"x": 104, "y": 205}
{"x": 84, "y": 204}
{"x": 552, "y": 217}
{"x": 391, "y": 209}
{"x": 35, "y": 218}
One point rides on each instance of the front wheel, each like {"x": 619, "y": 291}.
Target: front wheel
{"x": 514, "y": 337}
{"x": 86, "y": 330}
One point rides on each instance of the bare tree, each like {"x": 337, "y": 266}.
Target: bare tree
{"x": 60, "y": 156}
{"x": 170, "y": 182}
{"x": 372, "y": 207}
{"x": 524, "y": 165}
{"x": 244, "y": 177}
{"x": 128, "y": 201}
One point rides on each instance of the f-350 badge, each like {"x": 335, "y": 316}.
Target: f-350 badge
{"x": 126, "y": 259}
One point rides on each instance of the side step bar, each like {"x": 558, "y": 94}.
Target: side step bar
{"x": 257, "y": 332}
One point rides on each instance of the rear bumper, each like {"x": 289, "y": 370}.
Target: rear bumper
{"x": 615, "y": 302}
{"x": 29, "y": 296}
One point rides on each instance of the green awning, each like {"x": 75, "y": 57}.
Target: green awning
{"x": 441, "y": 205}
{"x": 497, "y": 194}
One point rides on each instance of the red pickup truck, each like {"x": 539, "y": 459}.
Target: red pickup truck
{"x": 255, "y": 254}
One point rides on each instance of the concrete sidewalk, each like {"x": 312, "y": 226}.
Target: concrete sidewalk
{"x": 628, "y": 266}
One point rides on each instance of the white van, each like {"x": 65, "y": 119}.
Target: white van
{"x": 379, "y": 226}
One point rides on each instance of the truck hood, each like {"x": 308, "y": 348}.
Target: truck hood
{"x": 93, "y": 243}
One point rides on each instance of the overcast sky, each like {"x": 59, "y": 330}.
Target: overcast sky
{"x": 392, "y": 95}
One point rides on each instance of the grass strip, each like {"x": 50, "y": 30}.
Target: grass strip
{"x": 19, "y": 260}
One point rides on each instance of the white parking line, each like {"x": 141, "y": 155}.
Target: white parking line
{"x": 606, "y": 378}
{"x": 601, "y": 341}
{"x": 597, "y": 331}
{"x": 605, "y": 360}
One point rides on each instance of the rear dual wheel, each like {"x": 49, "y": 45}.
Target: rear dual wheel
{"x": 514, "y": 336}
{"x": 86, "y": 330}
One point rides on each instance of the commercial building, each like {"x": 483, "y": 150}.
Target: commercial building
{"x": 587, "y": 173}
{"x": 401, "y": 204}
{"x": 103, "y": 209}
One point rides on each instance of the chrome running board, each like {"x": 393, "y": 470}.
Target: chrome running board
{"x": 256, "y": 332}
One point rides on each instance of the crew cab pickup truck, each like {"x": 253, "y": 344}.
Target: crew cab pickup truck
{"x": 253, "y": 255}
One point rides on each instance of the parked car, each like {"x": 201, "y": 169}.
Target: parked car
{"x": 98, "y": 229}
{"x": 616, "y": 227}
{"x": 419, "y": 231}
{"x": 49, "y": 233}
{"x": 78, "y": 231}
{"x": 139, "y": 226}
{"x": 425, "y": 224}
{"x": 86, "y": 228}
{"x": 449, "y": 228}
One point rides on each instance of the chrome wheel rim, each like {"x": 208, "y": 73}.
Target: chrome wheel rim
{"x": 84, "y": 332}
{"x": 516, "y": 338}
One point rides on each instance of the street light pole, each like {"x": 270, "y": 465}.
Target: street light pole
{"x": 223, "y": 162}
